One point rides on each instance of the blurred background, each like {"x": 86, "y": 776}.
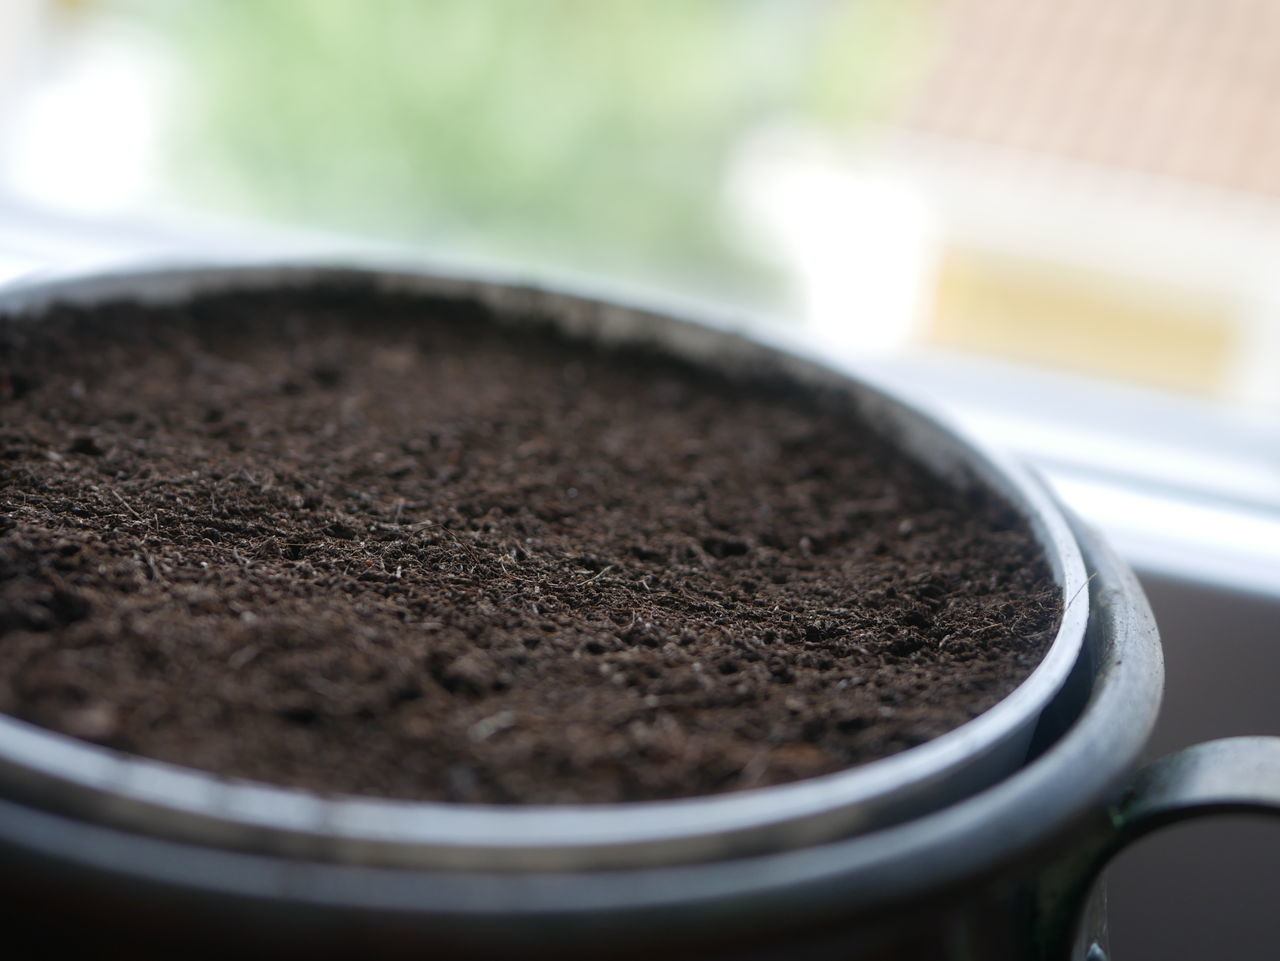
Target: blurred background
{"x": 1058, "y": 222}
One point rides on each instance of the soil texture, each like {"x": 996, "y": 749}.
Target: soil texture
{"x": 382, "y": 544}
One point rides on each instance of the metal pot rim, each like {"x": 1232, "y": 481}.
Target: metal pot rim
{"x": 159, "y": 798}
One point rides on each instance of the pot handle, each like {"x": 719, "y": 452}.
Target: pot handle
{"x": 1238, "y": 775}
{"x": 1233, "y": 776}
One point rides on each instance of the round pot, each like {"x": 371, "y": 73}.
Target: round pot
{"x": 982, "y": 842}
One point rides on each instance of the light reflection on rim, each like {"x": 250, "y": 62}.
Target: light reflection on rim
{"x": 162, "y": 798}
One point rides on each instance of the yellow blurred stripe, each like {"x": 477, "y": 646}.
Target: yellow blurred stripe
{"x": 1074, "y": 319}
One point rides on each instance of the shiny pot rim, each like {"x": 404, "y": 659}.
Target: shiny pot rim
{"x": 159, "y": 798}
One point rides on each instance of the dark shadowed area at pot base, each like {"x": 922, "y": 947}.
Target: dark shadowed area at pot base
{"x": 380, "y": 544}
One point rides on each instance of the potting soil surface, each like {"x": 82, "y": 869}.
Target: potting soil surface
{"x": 377, "y": 544}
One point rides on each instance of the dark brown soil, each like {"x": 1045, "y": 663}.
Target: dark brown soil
{"x": 382, "y": 545}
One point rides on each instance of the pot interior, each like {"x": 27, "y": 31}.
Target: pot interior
{"x": 153, "y": 797}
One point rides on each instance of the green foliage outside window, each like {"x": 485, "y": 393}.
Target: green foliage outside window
{"x": 594, "y": 132}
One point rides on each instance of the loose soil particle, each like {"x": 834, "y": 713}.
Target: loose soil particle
{"x": 380, "y": 544}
